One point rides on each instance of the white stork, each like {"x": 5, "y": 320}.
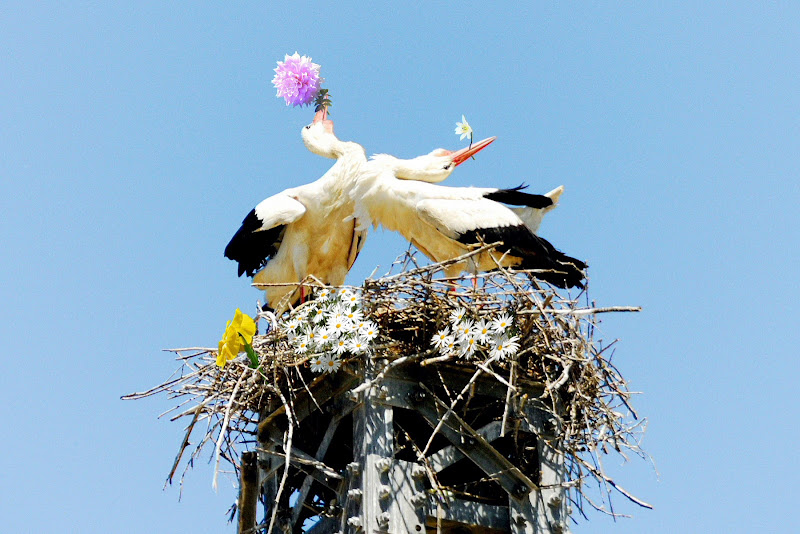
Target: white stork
{"x": 446, "y": 222}
{"x": 305, "y": 230}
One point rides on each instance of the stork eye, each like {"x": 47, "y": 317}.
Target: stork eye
{"x": 308, "y": 127}
{"x": 447, "y": 167}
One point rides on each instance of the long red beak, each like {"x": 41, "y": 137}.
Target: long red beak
{"x": 460, "y": 156}
{"x": 322, "y": 115}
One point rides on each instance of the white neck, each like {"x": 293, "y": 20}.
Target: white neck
{"x": 420, "y": 169}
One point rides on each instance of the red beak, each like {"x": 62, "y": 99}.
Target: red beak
{"x": 321, "y": 116}
{"x": 460, "y": 156}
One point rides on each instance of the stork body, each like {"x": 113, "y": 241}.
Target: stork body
{"x": 305, "y": 230}
{"x": 446, "y": 222}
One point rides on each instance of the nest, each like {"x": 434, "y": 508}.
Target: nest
{"x": 572, "y": 374}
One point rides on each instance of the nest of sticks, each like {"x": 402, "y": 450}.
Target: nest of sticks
{"x": 587, "y": 395}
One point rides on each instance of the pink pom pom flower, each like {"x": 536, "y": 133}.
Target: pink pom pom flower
{"x": 297, "y": 80}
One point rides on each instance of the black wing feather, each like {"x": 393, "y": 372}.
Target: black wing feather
{"x": 252, "y": 248}
{"x": 516, "y": 197}
{"x": 535, "y": 252}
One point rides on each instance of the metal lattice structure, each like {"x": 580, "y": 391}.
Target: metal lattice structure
{"x": 370, "y": 459}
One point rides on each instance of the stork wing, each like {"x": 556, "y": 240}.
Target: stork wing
{"x": 260, "y": 235}
{"x": 456, "y": 218}
{"x": 532, "y": 217}
{"x": 280, "y": 209}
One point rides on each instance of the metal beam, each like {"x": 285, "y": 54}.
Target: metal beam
{"x": 450, "y": 454}
{"x": 470, "y": 443}
{"x": 304, "y": 404}
{"x": 470, "y": 513}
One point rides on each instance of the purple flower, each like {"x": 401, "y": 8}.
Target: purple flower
{"x": 297, "y": 79}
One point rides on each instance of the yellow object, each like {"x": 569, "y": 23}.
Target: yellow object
{"x": 238, "y": 332}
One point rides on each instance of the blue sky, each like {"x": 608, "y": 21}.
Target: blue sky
{"x": 135, "y": 137}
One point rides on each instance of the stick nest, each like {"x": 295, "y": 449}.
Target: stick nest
{"x": 587, "y": 396}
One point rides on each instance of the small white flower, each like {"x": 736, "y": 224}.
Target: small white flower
{"x": 324, "y": 337}
{"x": 369, "y": 331}
{"x": 338, "y": 327}
{"x": 336, "y": 314}
{"x": 504, "y": 347}
{"x": 483, "y": 331}
{"x": 302, "y": 343}
{"x": 314, "y": 334}
{"x": 357, "y": 344}
{"x": 357, "y": 327}
{"x": 318, "y": 363}
{"x": 465, "y": 329}
{"x": 351, "y": 299}
{"x": 340, "y": 345}
{"x": 292, "y": 324}
{"x": 450, "y": 346}
{"x": 467, "y": 346}
{"x": 317, "y": 315}
{"x": 344, "y": 294}
{"x": 353, "y": 316}
{"x": 323, "y": 294}
{"x": 456, "y": 315}
{"x": 441, "y": 338}
{"x": 331, "y": 363}
{"x": 500, "y": 324}
{"x": 463, "y": 128}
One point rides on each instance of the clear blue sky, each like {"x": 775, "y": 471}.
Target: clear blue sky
{"x": 134, "y": 137}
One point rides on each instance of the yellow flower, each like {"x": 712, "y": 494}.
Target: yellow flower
{"x": 238, "y": 333}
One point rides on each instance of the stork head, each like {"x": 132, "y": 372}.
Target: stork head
{"x": 438, "y": 164}
{"x": 319, "y": 137}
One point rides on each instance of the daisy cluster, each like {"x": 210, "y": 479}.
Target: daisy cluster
{"x": 331, "y": 325}
{"x": 465, "y": 336}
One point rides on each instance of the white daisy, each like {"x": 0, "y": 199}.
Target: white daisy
{"x": 292, "y": 324}
{"x": 318, "y": 363}
{"x": 317, "y": 315}
{"x": 314, "y": 334}
{"x": 456, "y": 315}
{"x": 441, "y": 338}
{"x": 504, "y": 347}
{"x": 358, "y": 326}
{"x": 343, "y": 293}
{"x": 449, "y": 347}
{"x": 465, "y": 329}
{"x": 500, "y": 324}
{"x": 324, "y": 337}
{"x": 302, "y": 343}
{"x": 357, "y": 344}
{"x": 337, "y": 327}
{"x": 351, "y": 299}
{"x": 336, "y": 314}
{"x": 331, "y": 363}
{"x": 369, "y": 331}
{"x": 340, "y": 345}
{"x": 483, "y": 331}
{"x": 353, "y": 316}
{"x": 323, "y": 294}
{"x": 467, "y": 346}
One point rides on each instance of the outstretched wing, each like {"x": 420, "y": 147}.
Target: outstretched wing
{"x": 457, "y": 218}
{"x": 471, "y": 222}
{"x": 261, "y": 233}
